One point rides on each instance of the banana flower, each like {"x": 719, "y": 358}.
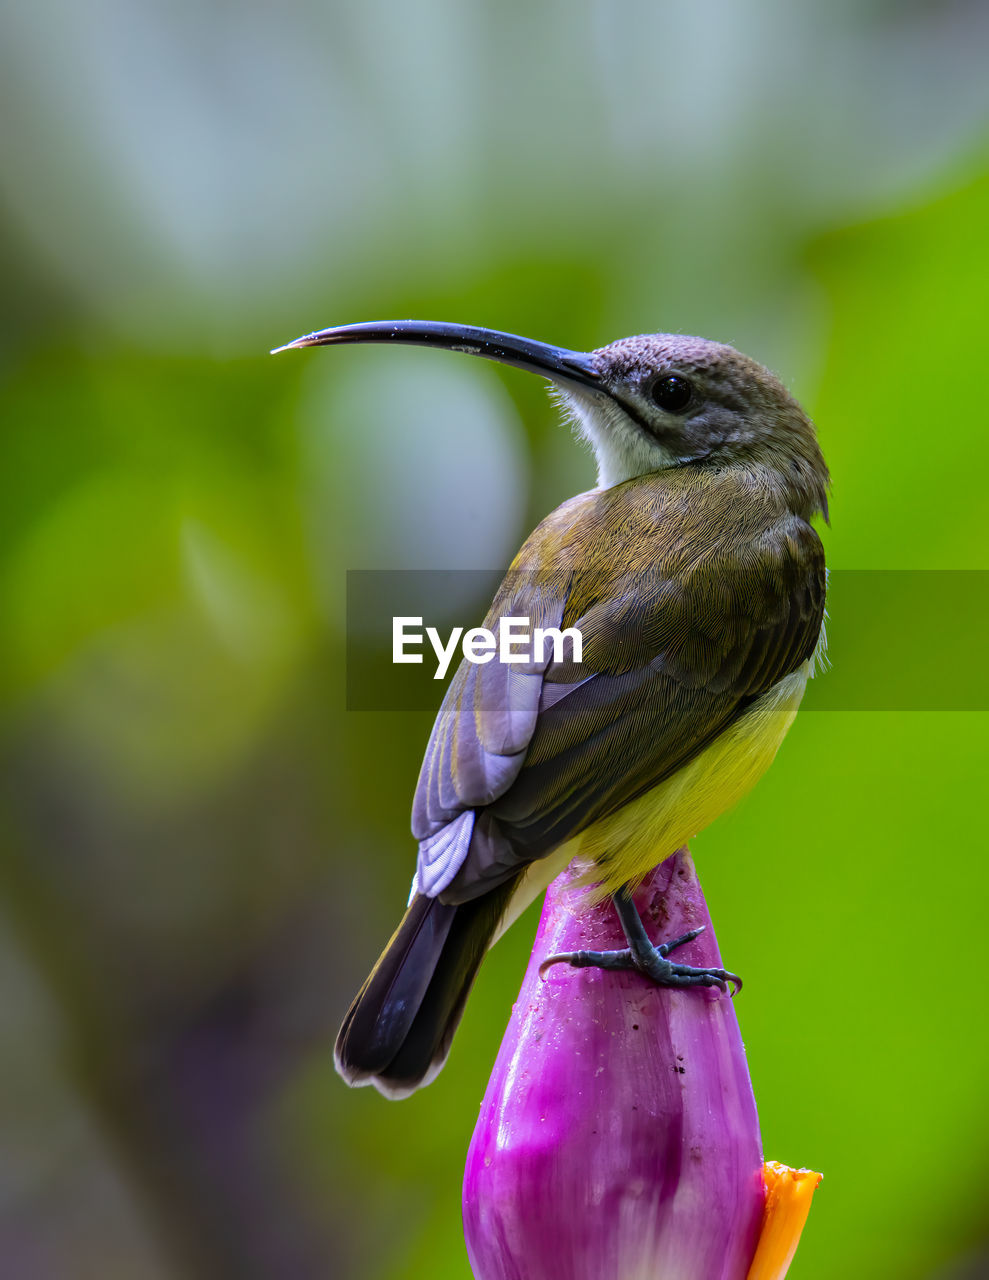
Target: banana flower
{"x": 618, "y": 1138}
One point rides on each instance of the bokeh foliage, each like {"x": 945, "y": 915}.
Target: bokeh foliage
{"x": 200, "y": 849}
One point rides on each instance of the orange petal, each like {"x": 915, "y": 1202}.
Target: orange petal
{"x": 788, "y": 1197}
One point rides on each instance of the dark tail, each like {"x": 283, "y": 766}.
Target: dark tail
{"x": 397, "y": 1033}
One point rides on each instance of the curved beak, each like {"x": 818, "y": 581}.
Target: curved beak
{"x": 555, "y": 363}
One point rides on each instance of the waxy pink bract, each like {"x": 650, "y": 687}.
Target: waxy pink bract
{"x": 618, "y": 1138}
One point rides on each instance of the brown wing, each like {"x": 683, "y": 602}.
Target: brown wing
{"x": 683, "y": 625}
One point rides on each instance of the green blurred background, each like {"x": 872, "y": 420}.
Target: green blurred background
{"x": 200, "y": 849}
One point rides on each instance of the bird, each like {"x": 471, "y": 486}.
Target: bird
{"x": 696, "y": 580}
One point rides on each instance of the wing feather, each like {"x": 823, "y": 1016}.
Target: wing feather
{"x": 683, "y": 628}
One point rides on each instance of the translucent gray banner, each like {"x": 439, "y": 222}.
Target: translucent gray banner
{"x": 898, "y": 640}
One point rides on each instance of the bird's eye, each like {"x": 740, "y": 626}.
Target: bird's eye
{"x": 672, "y": 393}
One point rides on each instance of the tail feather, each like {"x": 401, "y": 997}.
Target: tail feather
{"x": 397, "y": 1032}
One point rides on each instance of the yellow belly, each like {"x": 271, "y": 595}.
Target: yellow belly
{"x": 626, "y": 845}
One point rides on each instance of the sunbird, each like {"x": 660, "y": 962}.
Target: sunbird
{"x": 697, "y": 583}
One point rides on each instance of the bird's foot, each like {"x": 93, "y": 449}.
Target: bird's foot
{"x": 653, "y": 962}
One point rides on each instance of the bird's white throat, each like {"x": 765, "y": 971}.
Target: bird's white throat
{"x": 622, "y": 450}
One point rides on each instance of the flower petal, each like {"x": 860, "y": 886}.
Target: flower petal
{"x": 788, "y": 1196}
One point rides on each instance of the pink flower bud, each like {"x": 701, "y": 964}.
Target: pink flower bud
{"x": 618, "y": 1138}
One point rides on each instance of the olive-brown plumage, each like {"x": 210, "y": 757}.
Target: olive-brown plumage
{"x": 682, "y": 631}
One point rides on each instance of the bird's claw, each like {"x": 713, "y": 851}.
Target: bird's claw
{"x": 653, "y": 963}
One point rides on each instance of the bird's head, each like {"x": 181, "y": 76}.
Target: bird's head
{"x": 648, "y": 403}
{"x": 663, "y": 400}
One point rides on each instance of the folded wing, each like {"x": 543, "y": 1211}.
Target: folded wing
{"x": 678, "y": 639}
